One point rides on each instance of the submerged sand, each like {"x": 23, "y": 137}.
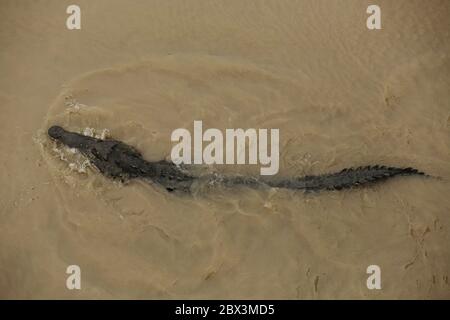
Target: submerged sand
{"x": 340, "y": 95}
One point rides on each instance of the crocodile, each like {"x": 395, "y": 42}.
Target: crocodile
{"x": 117, "y": 160}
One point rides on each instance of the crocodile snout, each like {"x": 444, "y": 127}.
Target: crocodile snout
{"x": 56, "y": 132}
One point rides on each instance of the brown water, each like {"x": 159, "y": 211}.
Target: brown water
{"x": 340, "y": 94}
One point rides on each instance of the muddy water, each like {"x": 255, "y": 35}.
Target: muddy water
{"x": 340, "y": 95}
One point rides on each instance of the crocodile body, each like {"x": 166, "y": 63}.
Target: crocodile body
{"x": 118, "y": 160}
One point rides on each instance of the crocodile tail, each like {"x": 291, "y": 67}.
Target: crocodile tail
{"x": 355, "y": 177}
{"x": 347, "y": 178}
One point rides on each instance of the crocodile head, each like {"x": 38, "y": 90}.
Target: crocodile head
{"x": 113, "y": 158}
{"x": 72, "y": 139}
{"x": 56, "y": 132}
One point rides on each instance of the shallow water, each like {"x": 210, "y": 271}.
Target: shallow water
{"x": 341, "y": 96}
